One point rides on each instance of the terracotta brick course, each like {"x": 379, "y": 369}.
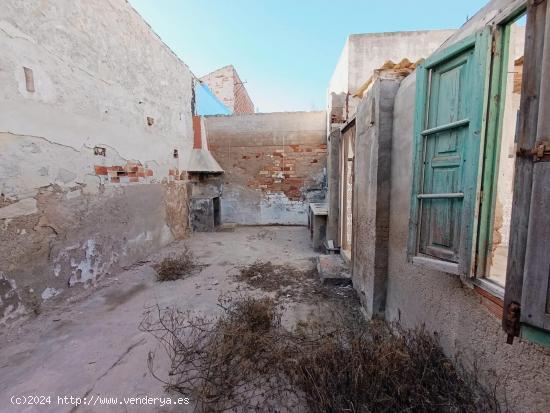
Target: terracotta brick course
{"x": 100, "y": 170}
{"x": 131, "y": 172}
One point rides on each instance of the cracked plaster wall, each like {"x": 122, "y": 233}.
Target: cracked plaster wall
{"x": 99, "y": 71}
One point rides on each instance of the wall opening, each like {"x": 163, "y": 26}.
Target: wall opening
{"x": 494, "y": 257}
{"x": 217, "y": 211}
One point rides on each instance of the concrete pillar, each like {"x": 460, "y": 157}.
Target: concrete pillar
{"x": 371, "y": 202}
{"x": 333, "y": 180}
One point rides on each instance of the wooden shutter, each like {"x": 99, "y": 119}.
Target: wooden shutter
{"x": 527, "y": 296}
{"x": 451, "y": 102}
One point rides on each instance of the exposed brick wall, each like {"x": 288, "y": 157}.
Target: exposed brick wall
{"x": 242, "y": 103}
{"x": 281, "y": 154}
{"x": 226, "y": 84}
{"x": 290, "y": 169}
{"x": 133, "y": 172}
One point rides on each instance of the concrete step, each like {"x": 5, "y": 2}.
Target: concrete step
{"x": 226, "y": 227}
{"x": 333, "y": 270}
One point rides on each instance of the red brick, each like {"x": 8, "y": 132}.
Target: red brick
{"x": 115, "y": 179}
{"x": 100, "y": 170}
{"x": 149, "y": 172}
{"x": 134, "y": 179}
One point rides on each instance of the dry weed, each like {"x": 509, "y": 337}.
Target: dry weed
{"x": 176, "y": 266}
{"x": 246, "y": 361}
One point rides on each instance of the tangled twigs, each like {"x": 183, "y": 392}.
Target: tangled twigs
{"x": 246, "y": 361}
{"x": 176, "y": 266}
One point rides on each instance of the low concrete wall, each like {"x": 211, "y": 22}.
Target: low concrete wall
{"x": 333, "y": 186}
{"x": 274, "y": 165}
{"x": 371, "y": 193}
{"x": 94, "y": 106}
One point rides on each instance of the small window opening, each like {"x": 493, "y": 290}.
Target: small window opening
{"x": 99, "y": 151}
{"x": 29, "y": 79}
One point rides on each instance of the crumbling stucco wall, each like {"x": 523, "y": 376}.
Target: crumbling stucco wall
{"x": 441, "y": 302}
{"x": 274, "y": 165}
{"x": 93, "y": 107}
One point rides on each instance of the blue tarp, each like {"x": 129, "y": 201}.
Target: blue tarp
{"x": 206, "y": 103}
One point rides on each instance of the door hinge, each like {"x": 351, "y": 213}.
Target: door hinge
{"x": 540, "y": 153}
{"x": 512, "y": 321}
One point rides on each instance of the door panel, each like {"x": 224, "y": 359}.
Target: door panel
{"x": 444, "y": 147}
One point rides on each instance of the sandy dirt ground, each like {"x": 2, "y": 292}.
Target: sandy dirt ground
{"x": 86, "y": 343}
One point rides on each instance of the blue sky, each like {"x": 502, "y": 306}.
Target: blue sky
{"x": 286, "y": 50}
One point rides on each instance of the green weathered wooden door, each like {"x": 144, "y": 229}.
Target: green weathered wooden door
{"x": 449, "y": 138}
{"x": 447, "y": 131}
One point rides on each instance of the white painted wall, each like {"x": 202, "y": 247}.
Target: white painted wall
{"x": 99, "y": 71}
{"x": 363, "y": 53}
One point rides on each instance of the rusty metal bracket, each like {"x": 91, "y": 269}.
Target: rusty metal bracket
{"x": 512, "y": 324}
{"x": 540, "y": 153}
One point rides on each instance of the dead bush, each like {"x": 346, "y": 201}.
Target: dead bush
{"x": 224, "y": 364}
{"x": 371, "y": 370}
{"x": 246, "y": 361}
{"x": 176, "y": 266}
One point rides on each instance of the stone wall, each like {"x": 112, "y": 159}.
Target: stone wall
{"x": 274, "y": 165}
{"x": 95, "y": 130}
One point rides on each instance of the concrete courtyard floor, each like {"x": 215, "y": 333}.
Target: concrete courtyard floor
{"x": 87, "y": 343}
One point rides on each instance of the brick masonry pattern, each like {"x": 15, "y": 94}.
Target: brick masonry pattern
{"x": 290, "y": 169}
{"x": 131, "y": 173}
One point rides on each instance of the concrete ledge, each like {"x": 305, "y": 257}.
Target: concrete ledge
{"x": 333, "y": 270}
